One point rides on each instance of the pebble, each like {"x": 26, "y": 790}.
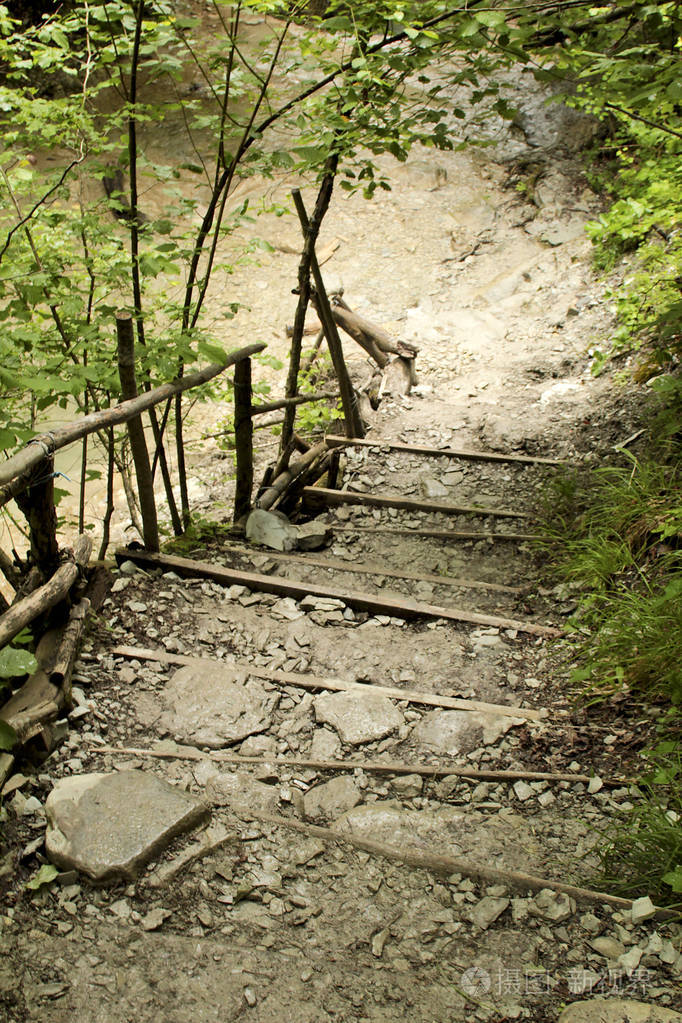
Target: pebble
{"x": 522, "y": 791}
{"x": 642, "y": 909}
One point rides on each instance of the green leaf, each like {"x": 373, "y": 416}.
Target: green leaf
{"x": 674, "y": 878}
{"x": 45, "y": 875}
{"x": 8, "y": 737}
{"x": 14, "y": 663}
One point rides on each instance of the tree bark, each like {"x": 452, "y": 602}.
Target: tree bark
{"x": 138, "y": 441}
{"x": 243, "y": 439}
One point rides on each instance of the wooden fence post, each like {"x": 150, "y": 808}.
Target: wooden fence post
{"x": 138, "y": 442}
{"x": 243, "y": 439}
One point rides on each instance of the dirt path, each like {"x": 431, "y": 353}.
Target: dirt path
{"x": 277, "y": 925}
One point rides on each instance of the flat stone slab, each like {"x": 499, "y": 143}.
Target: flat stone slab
{"x": 617, "y": 1010}
{"x": 331, "y": 798}
{"x": 358, "y": 717}
{"x": 459, "y": 731}
{"x": 501, "y": 840}
{"x": 109, "y": 826}
{"x": 216, "y": 707}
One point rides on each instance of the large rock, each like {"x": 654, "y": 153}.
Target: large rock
{"x": 271, "y": 529}
{"x": 216, "y": 706}
{"x": 358, "y": 717}
{"x": 332, "y": 798}
{"x": 617, "y": 1010}
{"x": 459, "y": 731}
{"x": 110, "y": 825}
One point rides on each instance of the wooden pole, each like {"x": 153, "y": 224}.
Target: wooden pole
{"x": 419, "y": 449}
{"x": 243, "y": 439}
{"x": 300, "y": 399}
{"x": 354, "y": 426}
{"x": 36, "y": 449}
{"x": 138, "y": 441}
{"x": 286, "y": 478}
{"x": 394, "y": 605}
{"x": 323, "y": 497}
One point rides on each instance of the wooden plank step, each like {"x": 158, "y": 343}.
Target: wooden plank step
{"x": 323, "y": 497}
{"x": 393, "y": 605}
{"x": 363, "y": 568}
{"x": 435, "y": 534}
{"x": 291, "y": 678}
{"x": 419, "y": 449}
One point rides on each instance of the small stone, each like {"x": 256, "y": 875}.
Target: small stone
{"x": 520, "y": 910}
{"x": 591, "y": 923}
{"x": 121, "y": 908}
{"x": 608, "y": 947}
{"x": 486, "y": 912}
{"x": 642, "y": 909}
{"x": 155, "y": 918}
{"x": 546, "y": 799}
{"x": 408, "y": 785}
{"x": 523, "y": 791}
{"x": 595, "y": 785}
{"x": 250, "y": 997}
{"x": 630, "y": 960}
{"x": 332, "y": 798}
{"x": 668, "y": 953}
{"x": 358, "y": 717}
{"x": 551, "y": 905}
{"x": 313, "y": 535}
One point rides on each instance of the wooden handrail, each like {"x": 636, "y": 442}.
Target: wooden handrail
{"x": 37, "y": 449}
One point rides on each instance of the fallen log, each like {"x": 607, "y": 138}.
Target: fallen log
{"x": 346, "y": 321}
{"x": 286, "y": 478}
{"x": 24, "y": 611}
{"x": 291, "y": 678}
{"x": 395, "y": 606}
{"x": 368, "y": 766}
{"x": 320, "y": 497}
{"x": 389, "y": 573}
{"x": 62, "y": 669}
{"x": 418, "y": 449}
{"x": 353, "y": 323}
{"x": 444, "y": 866}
